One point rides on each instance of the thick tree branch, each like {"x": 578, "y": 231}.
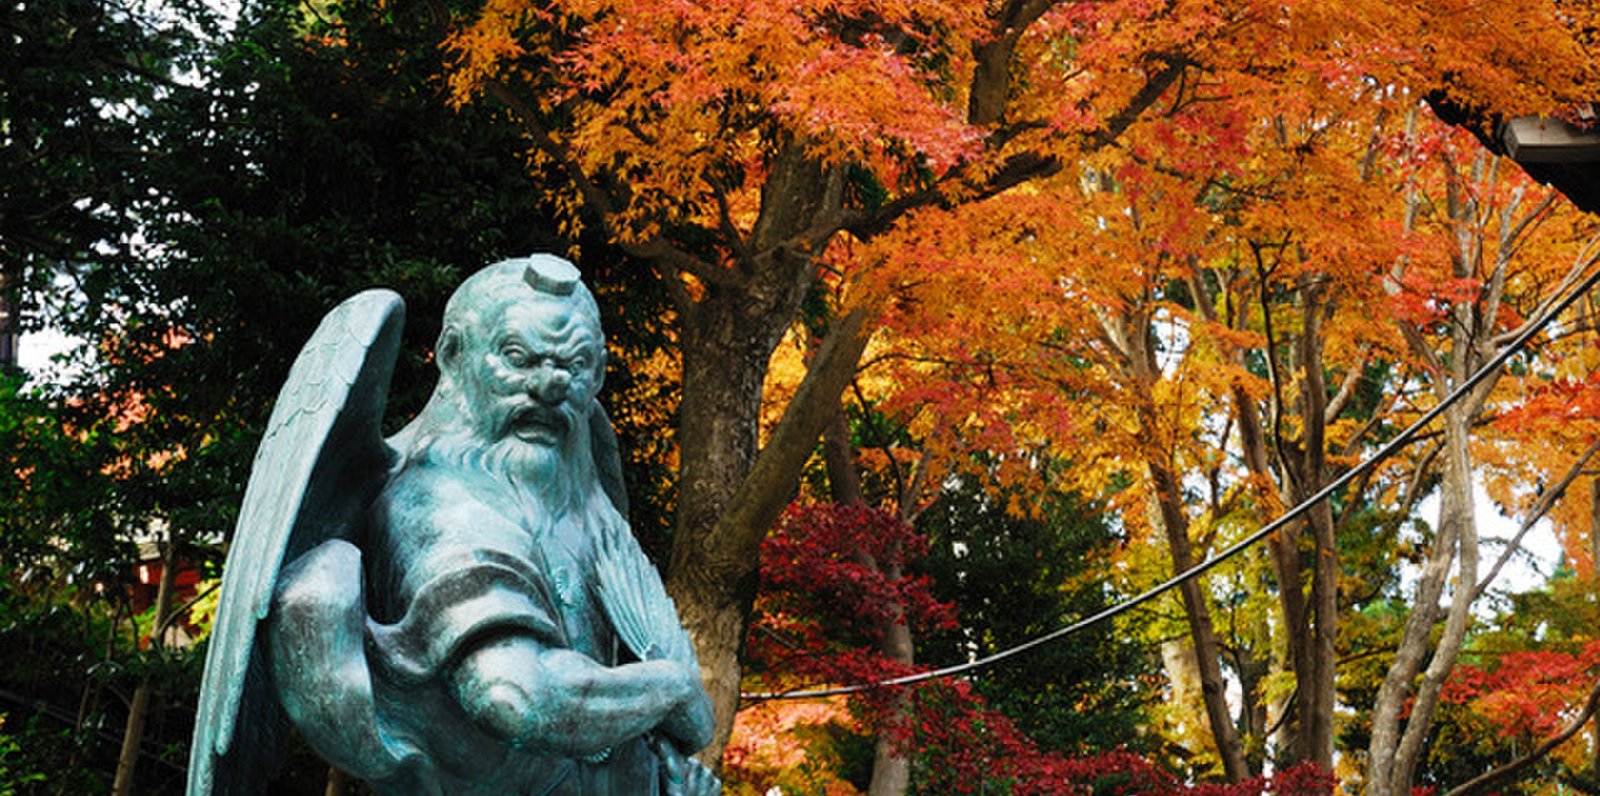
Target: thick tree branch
{"x": 764, "y": 492}
{"x": 1347, "y": 388}
{"x": 1172, "y": 67}
{"x": 1019, "y": 167}
{"x": 657, "y": 249}
{"x": 741, "y": 247}
{"x": 1587, "y": 258}
{"x": 990, "y": 90}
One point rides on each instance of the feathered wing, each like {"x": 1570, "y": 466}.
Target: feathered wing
{"x": 607, "y": 457}
{"x": 629, "y": 587}
{"x": 321, "y": 462}
{"x": 636, "y": 602}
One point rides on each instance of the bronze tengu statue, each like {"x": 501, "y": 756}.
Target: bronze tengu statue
{"x": 458, "y": 609}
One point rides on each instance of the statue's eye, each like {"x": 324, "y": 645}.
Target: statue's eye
{"x": 576, "y": 363}
{"x": 515, "y": 355}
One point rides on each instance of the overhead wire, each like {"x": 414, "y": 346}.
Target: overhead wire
{"x": 1384, "y": 452}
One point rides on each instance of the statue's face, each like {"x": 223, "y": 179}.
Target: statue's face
{"x": 532, "y": 372}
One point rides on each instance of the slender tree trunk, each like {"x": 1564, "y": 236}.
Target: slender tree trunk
{"x": 336, "y": 783}
{"x": 1283, "y": 549}
{"x": 1398, "y": 746}
{"x": 1253, "y": 714}
{"x": 8, "y": 327}
{"x": 132, "y": 735}
{"x": 139, "y": 707}
{"x": 1394, "y": 694}
{"x": 1316, "y": 683}
{"x": 1307, "y": 730}
{"x": 891, "y": 771}
{"x": 1402, "y": 716}
{"x": 1456, "y": 507}
{"x": 1202, "y": 632}
{"x": 1594, "y": 583}
{"x": 1131, "y": 334}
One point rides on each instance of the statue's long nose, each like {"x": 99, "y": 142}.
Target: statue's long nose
{"x": 549, "y": 384}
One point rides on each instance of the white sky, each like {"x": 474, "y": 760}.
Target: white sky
{"x": 35, "y": 349}
{"x": 1541, "y": 550}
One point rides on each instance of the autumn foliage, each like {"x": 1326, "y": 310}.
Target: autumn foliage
{"x": 1528, "y": 693}
{"x": 1188, "y": 261}
{"x": 823, "y": 609}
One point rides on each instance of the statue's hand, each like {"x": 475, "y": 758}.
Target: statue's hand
{"x": 682, "y": 775}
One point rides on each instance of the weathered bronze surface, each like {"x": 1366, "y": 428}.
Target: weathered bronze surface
{"x": 459, "y": 609}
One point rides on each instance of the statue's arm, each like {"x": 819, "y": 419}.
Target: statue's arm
{"x": 519, "y": 683}
{"x": 565, "y": 702}
{"x": 690, "y": 726}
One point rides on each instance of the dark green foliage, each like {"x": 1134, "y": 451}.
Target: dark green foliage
{"x": 1014, "y": 579}
{"x": 248, "y": 180}
{"x": 78, "y": 76}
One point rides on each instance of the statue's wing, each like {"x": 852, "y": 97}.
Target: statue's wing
{"x": 632, "y": 595}
{"x": 321, "y": 462}
{"x": 629, "y": 587}
{"x": 607, "y": 458}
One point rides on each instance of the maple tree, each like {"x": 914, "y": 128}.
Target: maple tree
{"x": 745, "y": 150}
{"x": 1518, "y": 704}
{"x": 840, "y": 604}
{"x": 1165, "y": 332}
{"x": 1204, "y": 254}
{"x": 825, "y": 606}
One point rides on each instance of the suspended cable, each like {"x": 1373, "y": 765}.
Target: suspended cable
{"x": 1388, "y": 449}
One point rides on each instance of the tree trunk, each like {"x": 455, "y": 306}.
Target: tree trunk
{"x": 1207, "y": 650}
{"x": 1456, "y": 507}
{"x": 1594, "y": 583}
{"x": 336, "y": 783}
{"x": 1316, "y": 683}
{"x": 1253, "y": 712}
{"x": 1396, "y": 749}
{"x": 891, "y": 771}
{"x": 1395, "y": 692}
{"x": 1131, "y": 334}
{"x": 718, "y": 424}
{"x": 1283, "y": 547}
{"x": 139, "y": 706}
{"x": 728, "y": 496}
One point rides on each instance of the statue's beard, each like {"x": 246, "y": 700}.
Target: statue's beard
{"x": 557, "y": 474}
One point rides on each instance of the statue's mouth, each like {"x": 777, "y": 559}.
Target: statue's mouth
{"x": 538, "y": 424}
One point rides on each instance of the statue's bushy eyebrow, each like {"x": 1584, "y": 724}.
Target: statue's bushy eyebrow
{"x": 569, "y": 341}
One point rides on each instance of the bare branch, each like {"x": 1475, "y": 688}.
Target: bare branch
{"x": 731, "y": 231}
{"x": 1519, "y": 231}
{"x": 1347, "y": 388}
{"x": 1546, "y": 502}
{"x": 1588, "y": 257}
{"x": 1413, "y": 493}
{"x": 1020, "y": 167}
{"x": 1535, "y": 754}
{"x": 657, "y": 249}
{"x": 909, "y": 510}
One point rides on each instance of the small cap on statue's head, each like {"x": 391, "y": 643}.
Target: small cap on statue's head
{"x": 553, "y": 275}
